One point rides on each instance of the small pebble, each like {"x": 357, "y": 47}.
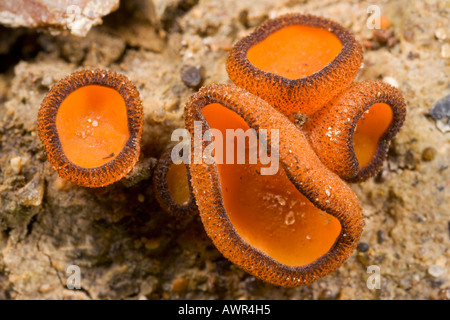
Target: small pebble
{"x": 392, "y": 42}
{"x": 32, "y": 193}
{"x": 413, "y": 55}
{"x": 151, "y": 244}
{"x": 421, "y": 219}
{"x": 435, "y": 271}
{"x": 180, "y": 284}
{"x": 191, "y": 76}
{"x": 448, "y": 226}
{"x": 409, "y": 35}
{"x": 243, "y": 18}
{"x": 440, "y": 112}
{"x": 61, "y": 184}
{"x": 45, "y": 288}
{"x": 16, "y": 164}
{"x": 444, "y": 294}
{"x": 410, "y": 161}
{"x": 47, "y": 81}
{"x": 428, "y": 154}
{"x": 381, "y": 36}
{"x": 300, "y": 119}
{"x": 363, "y": 247}
{"x": 382, "y": 176}
{"x": 440, "y": 34}
{"x": 384, "y": 37}
{"x": 405, "y": 283}
{"x": 445, "y": 51}
{"x": 364, "y": 259}
{"x": 392, "y": 81}
{"x": 381, "y": 236}
{"x": 327, "y": 295}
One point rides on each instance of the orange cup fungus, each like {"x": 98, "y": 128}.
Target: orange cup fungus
{"x": 296, "y": 62}
{"x": 172, "y": 186}
{"x": 91, "y": 124}
{"x": 289, "y": 228}
{"x": 351, "y": 134}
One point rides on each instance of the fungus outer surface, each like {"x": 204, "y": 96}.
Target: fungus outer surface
{"x": 351, "y": 134}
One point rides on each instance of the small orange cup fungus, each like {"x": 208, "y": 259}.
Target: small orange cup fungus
{"x": 172, "y": 186}
{"x": 351, "y": 134}
{"x": 296, "y": 62}
{"x": 91, "y": 124}
{"x": 289, "y": 228}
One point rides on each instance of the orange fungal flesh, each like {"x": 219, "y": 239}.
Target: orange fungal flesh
{"x": 267, "y": 211}
{"x": 369, "y": 129}
{"x": 295, "y": 51}
{"x": 178, "y": 184}
{"x": 92, "y": 125}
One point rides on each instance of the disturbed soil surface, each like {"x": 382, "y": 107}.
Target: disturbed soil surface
{"x": 125, "y": 246}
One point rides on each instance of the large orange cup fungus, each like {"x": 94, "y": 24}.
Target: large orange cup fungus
{"x": 91, "y": 124}
{"x": 172, "y": 186}
{"x": 351, "y": 134}
{"x": 296, "y": 62}
{"x": 289, "y": 228}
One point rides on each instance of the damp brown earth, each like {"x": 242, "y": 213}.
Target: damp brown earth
{"x": 125, "y": 246}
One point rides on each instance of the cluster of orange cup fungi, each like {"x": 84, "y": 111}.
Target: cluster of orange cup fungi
{"x": 290, "y": 228}
{"x": 298, "y": 225}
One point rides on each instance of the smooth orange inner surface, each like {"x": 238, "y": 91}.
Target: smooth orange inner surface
{"x": 92, "y": 125}
{"x": 178, "y": 184}
{"x": 369, "y": 129}
{"x": 295, "y": 51}
{"x": 267, "y": 211}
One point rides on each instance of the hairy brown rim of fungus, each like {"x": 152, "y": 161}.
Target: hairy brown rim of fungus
{"x": 306, "y": 94}
{"x": 120, "y": 163}
{"x": 174, "y": 196}
{"x": 305, "y": 173}
{"x": 333, "y": 130}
